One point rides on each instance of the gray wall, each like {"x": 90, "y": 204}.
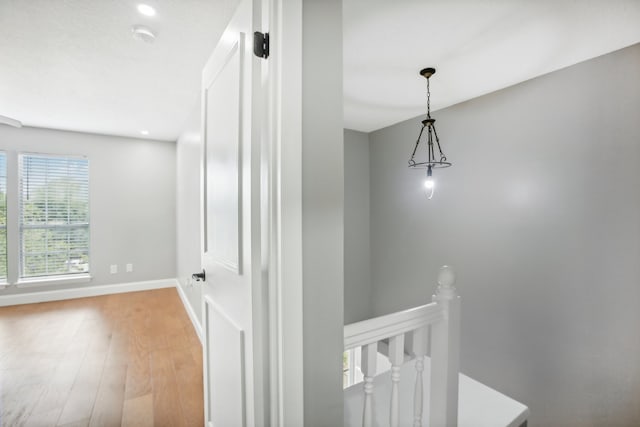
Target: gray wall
{"x": 188, "y": 210}
{"x": 322, "y": 211}
{"x": 540, "y": 215}
{"x": 132, "y": 197}
{"x": 357, "y": 255}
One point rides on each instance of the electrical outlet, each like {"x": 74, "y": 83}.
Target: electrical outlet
{"x": 129, "y": 268}
{"x": 114, "y": 268}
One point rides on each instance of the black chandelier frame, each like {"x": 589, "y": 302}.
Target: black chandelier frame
{"x": 432, "y": 135}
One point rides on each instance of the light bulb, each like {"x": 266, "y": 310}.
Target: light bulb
{"x": 429, "y": 184}
{"x": 146, "y": 10}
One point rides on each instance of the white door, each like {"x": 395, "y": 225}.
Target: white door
{"x": 234, "y": 307}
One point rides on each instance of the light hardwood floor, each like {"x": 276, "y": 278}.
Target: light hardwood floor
{"x": 129, "y": 359}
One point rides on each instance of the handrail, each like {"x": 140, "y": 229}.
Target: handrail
{"x": 442, "y": 318}
{"x": 382, "y": 327}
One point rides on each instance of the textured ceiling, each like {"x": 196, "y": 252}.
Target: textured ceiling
{"x": 72, "y": 64}
{"x": 477, "y": 47}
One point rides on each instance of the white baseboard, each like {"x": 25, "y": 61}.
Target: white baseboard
{"x": 192, "y": 315}
{"x": 81, "y": 292}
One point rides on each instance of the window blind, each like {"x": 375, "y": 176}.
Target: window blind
{"x": 3, "y": 217}
{"x": 54, "y": 215}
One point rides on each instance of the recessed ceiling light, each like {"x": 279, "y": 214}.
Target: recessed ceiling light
{"x": 146, "y": 10}
{"x": 140, "y": 32}
{"x": 144, "y": 132}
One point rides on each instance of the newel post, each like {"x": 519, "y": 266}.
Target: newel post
{"x": 445, "y": 354}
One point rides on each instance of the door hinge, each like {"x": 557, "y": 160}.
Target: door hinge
{"x": 261, "y": 44}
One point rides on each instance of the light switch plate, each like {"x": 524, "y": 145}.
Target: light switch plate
{"x": 114, "y": 268}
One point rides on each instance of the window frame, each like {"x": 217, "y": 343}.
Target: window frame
{"x": 17, "y": 264}
{"x": 5, "y": 280}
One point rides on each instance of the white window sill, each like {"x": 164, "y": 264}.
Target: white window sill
{"x": 54, "y": 280}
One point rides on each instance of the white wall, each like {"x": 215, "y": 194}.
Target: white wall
{"x": 540, "y": 215}
{"x": 132, "y": 200}
{"x": 188, "y": 210}
{"x": 357, "y": 254}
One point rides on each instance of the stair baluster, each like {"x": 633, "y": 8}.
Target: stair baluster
{"x": 419, "y": 350}
{"x": 369, "y": 358}
{"x": 396, "y": 357}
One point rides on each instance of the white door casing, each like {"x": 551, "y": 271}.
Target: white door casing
{"x": 234, "y": 303}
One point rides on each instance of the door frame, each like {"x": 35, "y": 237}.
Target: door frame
{"x": 281, "y": 381}
{"x": 283, "y": 126}
{"x": 298, "y": 27}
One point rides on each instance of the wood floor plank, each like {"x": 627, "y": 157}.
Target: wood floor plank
{"x": 44, "y": 419}
{"x": 127, "y": 359}
{"x": 16, "y": 408}
{"x": 178, "y": 340}
{"x": 155, "y": 334}
{"x": 166, "y": 404}
{"x": 138, "y": 412}
{"x": 138, "y": 382}
{"x": 79, "y": 423}
{"x": 83, "y": 393}
{"x": 189, "y": 379}
{"x": 107, "y": 410}
{"x": 56, "y": 391}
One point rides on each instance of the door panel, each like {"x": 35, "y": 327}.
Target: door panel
{"x": 223, "y": 218}
{"x": 225, "y": 367}
{"x": 232, "y": 242}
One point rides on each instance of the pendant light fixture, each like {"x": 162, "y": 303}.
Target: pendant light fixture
{"x": 431, "y": 161}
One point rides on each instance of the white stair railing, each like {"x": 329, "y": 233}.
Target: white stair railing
{"x": 442, "y": 316}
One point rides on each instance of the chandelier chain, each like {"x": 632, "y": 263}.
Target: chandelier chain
{"x": 428, "y": 100}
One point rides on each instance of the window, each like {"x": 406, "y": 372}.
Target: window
{"x": 54, "y": 215}
{"x": 3, "y": 217}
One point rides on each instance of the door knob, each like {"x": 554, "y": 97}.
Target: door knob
{"x": 199, "y": 277}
